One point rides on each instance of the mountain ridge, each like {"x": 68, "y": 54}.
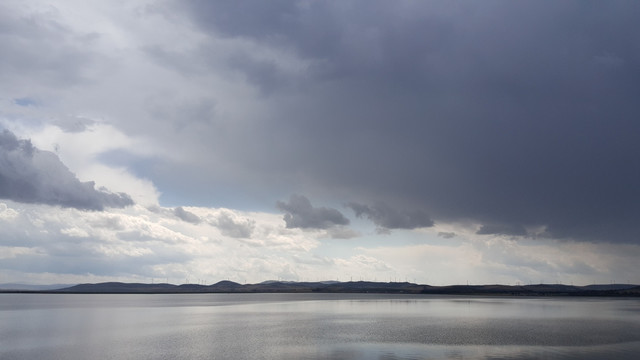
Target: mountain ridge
{"x": 227, "y": 286}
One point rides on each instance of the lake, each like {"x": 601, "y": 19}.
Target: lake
{"x": 315, "y": 326}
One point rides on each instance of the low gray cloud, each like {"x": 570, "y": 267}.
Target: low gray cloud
{"x": 502, "y": 229}
{"x": 113, "y": 223}
{"x": 341, "y": 232}
{"x": 30, "y": 175}
{"x": 73, "y": 124}
{"x": 232, "y": 227}
{"x": 299, "y": 213}
{"x": 447, "y": 235}
{"x": 388, "y": 218}
{"x": 187, "y": 216}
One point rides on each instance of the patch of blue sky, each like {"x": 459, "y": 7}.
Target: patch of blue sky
{"x": 26, "y": 101}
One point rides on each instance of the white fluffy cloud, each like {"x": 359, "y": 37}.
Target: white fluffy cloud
{"x": 136, "y": 243}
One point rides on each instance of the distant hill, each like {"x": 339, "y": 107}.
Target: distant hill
{"x": 359, "y": 287}
{"x": 609, "y": 287}
{"x": 30, "y": 287}
{"x": 119, "y": 287}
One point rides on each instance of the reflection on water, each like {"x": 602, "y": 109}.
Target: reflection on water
{"x": 315, "y": 326}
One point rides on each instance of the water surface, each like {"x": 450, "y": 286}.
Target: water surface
{"x": 315, "y": 326}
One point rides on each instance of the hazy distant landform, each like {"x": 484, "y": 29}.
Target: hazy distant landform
{"x": 350, "y": 287}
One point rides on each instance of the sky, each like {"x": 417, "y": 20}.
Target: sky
{"x": 437, "y": 142}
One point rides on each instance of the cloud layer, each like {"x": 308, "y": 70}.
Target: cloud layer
{"x": 494, "y": 113}
{"x": 491, "y": 138}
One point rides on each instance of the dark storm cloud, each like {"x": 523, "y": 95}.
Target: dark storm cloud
{"x": 387, "y": 218}
{"x": 299, "y": 213}
{"x": 33, "y": 176}
{"x": 510, "y": 113}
